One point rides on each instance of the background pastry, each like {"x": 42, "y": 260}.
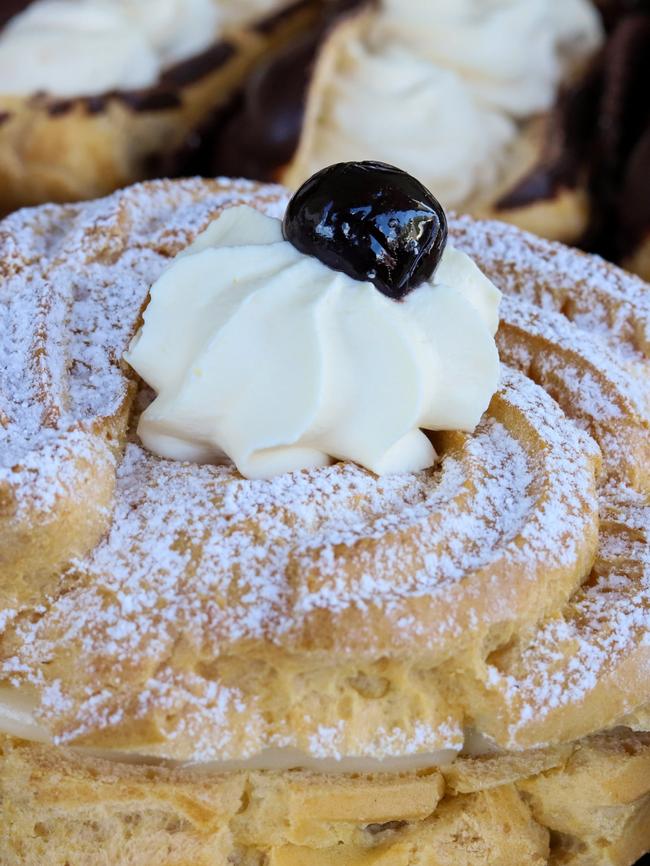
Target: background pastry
{"x": 95, "y": 95}
{"x": 496, "y": 606}
{"x": 463, "y": 97}
{"x": 613, "y": 101}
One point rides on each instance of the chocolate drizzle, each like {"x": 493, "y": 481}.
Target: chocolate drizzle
{"x": 261, "y": 132}
{"x": 620, "y": 163}
{"x": 601, "y": 130}
{"x": 164, "y": 95}
{"x": 566, "y": 147}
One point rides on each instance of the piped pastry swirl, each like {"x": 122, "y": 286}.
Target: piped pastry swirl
{"x": 220, "y": 604}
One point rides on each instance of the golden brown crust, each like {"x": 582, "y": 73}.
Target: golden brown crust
{"x": 587, "y": 802}
{"x": 562, "y": 217}
{"x": 394, "y": 612}
{"x": 169, "y": 639}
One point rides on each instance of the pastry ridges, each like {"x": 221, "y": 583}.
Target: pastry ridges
{"x": 186, "y": 676}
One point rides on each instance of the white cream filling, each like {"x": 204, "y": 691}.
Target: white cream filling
{"x": 17, "y": 720}
{"x": 85, "y": 47}
{"x": 265, "y": 355}
{"x": 441, "y": 87}
{"x": 511, "y": 54}
{"x": 439, "y": 131}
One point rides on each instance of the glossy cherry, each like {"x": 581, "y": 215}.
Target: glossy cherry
{"x": 371, "y": 221}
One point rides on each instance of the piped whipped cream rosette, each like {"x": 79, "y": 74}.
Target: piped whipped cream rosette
{"x": 511, "y": 54}
{"x": 264, "y": 354}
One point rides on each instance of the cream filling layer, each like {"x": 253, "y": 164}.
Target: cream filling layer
{"x": 441, "y": 134}
{"x": 85, "y": 47}
{"x": 17, "y": 720}
{"x": 455, "y": 79}
{"x": 511, "y": 54}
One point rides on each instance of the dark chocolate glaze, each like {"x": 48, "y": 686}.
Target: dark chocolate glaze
{"x": 197, "y": 67}
{"x": 264, "y": 130}
{"x": 271, "y": 22}
{"x": 620, "y": 161}
{"x": 10, "y": 8}
{"x": 166, "y": 94}
{"x": 600, "y": 131}
{"x": 253, "y": 150}
{"x": 613, "y": 10}
{"x": 625, "y": 108}
{"x": 567, "y": 145}
{"x": 260, "y": 132}
{"x": 635, "y": 198}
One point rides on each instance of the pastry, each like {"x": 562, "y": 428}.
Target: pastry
{"x": 325, "y": 665}
{"x": 495, "y": 78}
{"x": 111, "y": 89}
{"x": 619, "y": 128}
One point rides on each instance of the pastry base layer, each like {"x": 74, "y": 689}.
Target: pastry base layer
{"x": 584, "y": 804}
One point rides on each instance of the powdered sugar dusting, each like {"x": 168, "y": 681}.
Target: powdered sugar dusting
{"x": 198, "y": 555}
{"x": 335, "y": 564}
{"x": 576, "y": 655}
{"x": 596, "y": 296}
{"x": 76, "y": 279}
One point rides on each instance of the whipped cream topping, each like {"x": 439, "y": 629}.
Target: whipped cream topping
{"x": 511, "y": 54}
{"x": 264, "y": 355}
{"x": 457, "y": 76}
{"x": 68, "y": 47}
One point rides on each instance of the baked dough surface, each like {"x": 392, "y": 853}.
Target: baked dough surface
{"x": 184, "y": 613}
